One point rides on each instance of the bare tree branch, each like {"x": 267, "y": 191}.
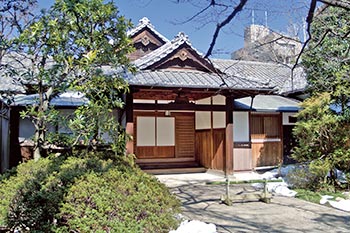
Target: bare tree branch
{"x": 237, "y": 9}
{"x": 309, "y": 19}
{"x": 197, "y": 14}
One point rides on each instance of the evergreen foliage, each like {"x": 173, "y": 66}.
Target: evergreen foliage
{"x": 323, "y": 129}
{"x": 92, "y": 192}
{"x": 72, "y": 47}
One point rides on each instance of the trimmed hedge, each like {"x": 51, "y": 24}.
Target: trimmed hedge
{"x": 85, "y": 194}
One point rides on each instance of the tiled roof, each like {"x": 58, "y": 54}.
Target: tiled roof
{"x": 64, "y": 99}
{"x": 191, "y": 79}
{"x": 268, "y": 103}
{"x": 275, "y": 75}
{"x": 163, "y": 51}
{"x": 9, "y": 82}
{"x": 145, "y": 22}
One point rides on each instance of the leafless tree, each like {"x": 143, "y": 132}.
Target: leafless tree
{"x": 15, "y": 15}
{"x": 224, "y": 12}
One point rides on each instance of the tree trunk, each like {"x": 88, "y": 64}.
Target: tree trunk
{"x": 41, "y": 124}
{"x": 39, "y": 139}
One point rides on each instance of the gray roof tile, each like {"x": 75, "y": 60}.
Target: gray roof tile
{"x": 63, "y": 100}
{"x": 273, "y": 74}
{"x": 190, "y": 79}
{"x": 268, "y": 103}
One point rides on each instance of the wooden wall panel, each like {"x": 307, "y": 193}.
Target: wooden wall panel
{"x": 219, "y": 149}
{"x": 266, "y": 154}
{"x": 242, "y": 159}
{"x": 265, "y": 126}
{"x": 184, "y": 136}
{"x": 152, "y": 152}
{"x": 203, "y": 147}
{"x": 208, "y": 158}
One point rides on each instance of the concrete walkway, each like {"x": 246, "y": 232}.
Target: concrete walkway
{"x": 202, "y": 202}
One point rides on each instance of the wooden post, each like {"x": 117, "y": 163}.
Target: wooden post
{"x": 229, "y": 137}
{"x": 129, "y": 122}
{"x": 212, "y": 152}
{"x": 15, "y": 150}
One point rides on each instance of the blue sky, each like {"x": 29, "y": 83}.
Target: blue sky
{"x": 167, "y": 15}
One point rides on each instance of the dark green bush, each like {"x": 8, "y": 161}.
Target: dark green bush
{"x": 312, "y": 176}
{"x": 117, "y": 201}
{"x": 301, "y": 178}
{"x": 86, "y": 193}
{"x": 10, "y": 187}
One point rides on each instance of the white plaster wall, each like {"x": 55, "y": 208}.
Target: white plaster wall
{"x": 241, "y": 126}
{"x": 242, "y": 159}
{"x": 144, "y": 101}
{"x": 203, "y": 101}
{"x": 219, "y": 120}
{"x": 219, "y": 99}
{"x": 164, "y": 101}
{"x": 285, "y": 118}
{"x": 146, "y": 131}
{"x": 165, "y": 131}
{"x": 203, "y": 120}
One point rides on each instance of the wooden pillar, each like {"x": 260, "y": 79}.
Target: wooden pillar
{"x": 212, "y": 151}
{"x": 228, "y": 163}
{"x": 15, "y": 151}
{"x": 129, "y": 122}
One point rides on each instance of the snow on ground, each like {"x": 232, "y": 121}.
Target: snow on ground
{"x": 281, "y": 188}
{"x": 278, "y": 188}
{"x": 340, "y": 204}
{"x": 195, "y": 226}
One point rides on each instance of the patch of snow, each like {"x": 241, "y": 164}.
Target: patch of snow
{"x": 195, "y": 226}
{"x": 285, "y": 191}
{"x": 324, "y": 199}
{"x": 341, "y": 205}
{"x": 269, "y": 175}
{"x": 278, "y": 188}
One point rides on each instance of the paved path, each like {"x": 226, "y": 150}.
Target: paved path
{"x": 202, "y": 202}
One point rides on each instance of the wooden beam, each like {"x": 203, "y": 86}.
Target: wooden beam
{"x": 173, "y": 106}
{"x": 129, "y": 123}
{"x": 228, "y": 163}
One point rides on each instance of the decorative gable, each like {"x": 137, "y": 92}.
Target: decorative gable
{"x": 145, "y": 39}
{"x": 176, "y": 54}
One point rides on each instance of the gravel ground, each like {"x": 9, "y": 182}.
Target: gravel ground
{"x": 283, "y": 214}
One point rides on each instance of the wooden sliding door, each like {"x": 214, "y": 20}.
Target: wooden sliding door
{"x": 159, "y": 136}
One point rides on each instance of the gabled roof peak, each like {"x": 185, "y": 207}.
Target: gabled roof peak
{"x": 181, "y": 38}
{"x": 181, "y": 35}
{"x": 145, "y": 21}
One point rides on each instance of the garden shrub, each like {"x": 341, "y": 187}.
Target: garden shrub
{"x": 118, "y": 201}
{"x": 313, "y": 176}
{"x": 87, "y": 193}
{"x": 10, "y": 186}
{"x": 301, "y": 178}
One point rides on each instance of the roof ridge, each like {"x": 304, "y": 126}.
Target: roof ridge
{"x": 248, "y": 62}
{"x": 145, "y": 22}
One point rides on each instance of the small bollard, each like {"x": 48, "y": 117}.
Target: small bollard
{"x": 265, "y": 196}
